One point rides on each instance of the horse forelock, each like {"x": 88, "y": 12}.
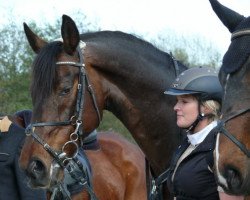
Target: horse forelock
{"x": 238, "y": 51}
{"x": 44, "y": 71}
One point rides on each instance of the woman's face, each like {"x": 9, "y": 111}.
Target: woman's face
{"x": 186, "y": 110}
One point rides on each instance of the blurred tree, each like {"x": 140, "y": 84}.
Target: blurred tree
{"x": 15, "y": 59}
{"x": 191, "y": 50}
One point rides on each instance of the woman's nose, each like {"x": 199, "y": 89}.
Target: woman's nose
{"x": 176, "y": 107}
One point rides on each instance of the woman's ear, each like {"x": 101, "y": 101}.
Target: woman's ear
{"x": 205, "y": 110}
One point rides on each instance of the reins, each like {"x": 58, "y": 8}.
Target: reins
{"x": 61, "y": 157}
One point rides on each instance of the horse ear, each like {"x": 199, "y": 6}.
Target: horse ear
{"x": 35, "y": 42}
{"x": 227, "y": 16}
{"x": 70, "y": 34}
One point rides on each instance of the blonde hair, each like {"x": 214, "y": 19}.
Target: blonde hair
{"x": 215, "y": 108}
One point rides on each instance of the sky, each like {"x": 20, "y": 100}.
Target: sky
{"x": 144, "y": 17}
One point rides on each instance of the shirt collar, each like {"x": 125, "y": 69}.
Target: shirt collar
{"x": 198, "y": 137}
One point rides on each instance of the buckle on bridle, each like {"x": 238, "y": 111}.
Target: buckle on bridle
{"x": 29, "y": 129}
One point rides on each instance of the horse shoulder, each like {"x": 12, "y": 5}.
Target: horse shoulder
{"x": 128, "y": 158}
{"x": 121, "y": 166}
{"x": 116, "y": 146}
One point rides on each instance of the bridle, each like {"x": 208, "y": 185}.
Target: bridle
{"x": 240, "y": 33}
{"x": 221, "y": 125}
{"x": 222, "y": 129}
{"x": 61, "y": 157}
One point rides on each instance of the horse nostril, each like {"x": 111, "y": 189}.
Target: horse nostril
{"x": 36, "y": 169}
{"x": 234, "y": 179}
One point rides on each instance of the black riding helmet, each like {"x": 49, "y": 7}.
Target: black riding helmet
{"x": 198, "y": 80}
{"x": 201, "y": 82}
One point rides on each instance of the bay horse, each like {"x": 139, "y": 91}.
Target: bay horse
{"x": 117, "y": 165}
{"x": 232, "y": 155}
{"x": 81, "y": 75}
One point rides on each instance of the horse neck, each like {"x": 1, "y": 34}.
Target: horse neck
{"x": 135, "y": 96}
{"x": 151, "y": 121}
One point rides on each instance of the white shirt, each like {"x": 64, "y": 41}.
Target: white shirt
{"x": 197, "y": 138}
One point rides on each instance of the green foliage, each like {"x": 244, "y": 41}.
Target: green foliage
{"x": 15, "y": 93}
{"x": 15, "y": 59}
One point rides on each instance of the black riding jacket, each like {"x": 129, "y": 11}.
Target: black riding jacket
{"x": 193, "y": 180}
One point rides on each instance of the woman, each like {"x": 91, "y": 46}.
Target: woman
{"x": 199, "y": 94}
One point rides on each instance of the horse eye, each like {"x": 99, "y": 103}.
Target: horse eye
{"x": 65, "y": 91}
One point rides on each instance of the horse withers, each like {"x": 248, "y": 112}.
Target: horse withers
{"x": 77, "y": 77}
{"x": 232, "y": 155}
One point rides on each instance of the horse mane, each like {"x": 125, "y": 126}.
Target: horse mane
{"x": 119, "y": 37}
{"x": 44, "y": 71}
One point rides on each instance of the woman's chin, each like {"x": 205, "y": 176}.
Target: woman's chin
{"x": 182, "y": 125}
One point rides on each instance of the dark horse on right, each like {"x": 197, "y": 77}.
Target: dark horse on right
{"x": 232, "y": 154}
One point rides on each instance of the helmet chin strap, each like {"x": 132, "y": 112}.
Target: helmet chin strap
{"x": 198, "y": 119}
{"x": 194, "y": 124}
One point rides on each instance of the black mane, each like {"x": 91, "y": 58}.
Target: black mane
{"x": 44, "y": 71}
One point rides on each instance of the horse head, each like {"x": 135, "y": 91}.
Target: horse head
{"x": 233, "y": 141}
{"x": 61, "y": 96}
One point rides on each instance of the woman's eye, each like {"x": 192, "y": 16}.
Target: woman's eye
{"x": 182, "y": 102}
